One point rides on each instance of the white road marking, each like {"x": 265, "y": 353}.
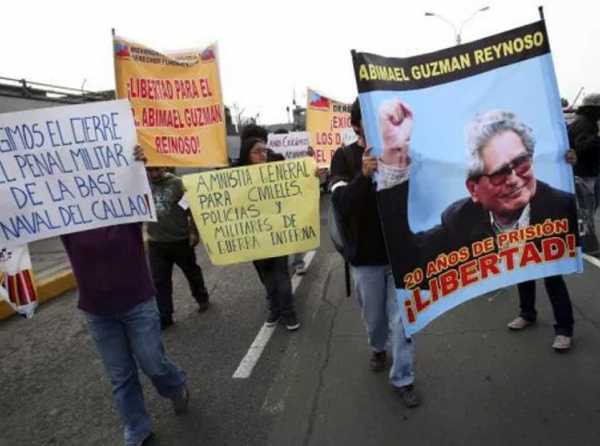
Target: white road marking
{"x": 244, "y": 370}
{"x": 593, "y": 260}
{"x": 248, "y": 362}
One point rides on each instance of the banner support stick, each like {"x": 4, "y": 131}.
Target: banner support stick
{"x": 112, "y": 48}
{"x": 347, "y": 277}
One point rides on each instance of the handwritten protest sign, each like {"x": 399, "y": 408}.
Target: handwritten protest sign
{"x": 328, "y": 124}
{"x": 177, "y": 103}
{"x": 68, "y": 169}
{"x": 255, "y": 212}
{"x": 487, "y": 199}
{"x": 290, "y": 145}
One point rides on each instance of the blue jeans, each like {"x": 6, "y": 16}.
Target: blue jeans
{"x": 122, "y": 340}
{"x": 376, "y": 294}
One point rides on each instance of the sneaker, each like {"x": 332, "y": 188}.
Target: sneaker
{"x": 166, "y": 322}
{"x": 202, "y": 306}
{"x": 519, "y": 323}
{"x": 561, "y": 343}
{"x": 181, "y": 400}
{"x": 377, "y": 361}
{"x": 273, "y": 319}
{"x": 291, "y": 322}
{"x": 146, "y": 440}
{"x": 409, "y": 396}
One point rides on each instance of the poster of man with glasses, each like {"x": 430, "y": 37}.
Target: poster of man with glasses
{"x": 474, "y": 189}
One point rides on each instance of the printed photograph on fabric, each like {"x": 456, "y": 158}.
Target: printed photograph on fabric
{"x": 500, "y": 190}
{"x": 474, "y": 190}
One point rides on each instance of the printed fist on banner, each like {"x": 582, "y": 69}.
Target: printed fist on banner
{"x": 16, "y": 280}
{"x": 395, "y": 124}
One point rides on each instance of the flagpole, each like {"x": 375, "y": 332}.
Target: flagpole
{"x": 113, "y": 34}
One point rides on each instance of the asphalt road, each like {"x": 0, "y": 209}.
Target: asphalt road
{"x": 481, "y": 384}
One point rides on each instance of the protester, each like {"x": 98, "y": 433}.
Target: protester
{"x": 273, "y": 272}
{"x": 584, "y": 138}
{"x": 171, "y": 240}
{"x": 257, "y": 131}
{"x": 116, "y": 297}
{"x": 353, "y": 195}
{"x": 504, "y": 195}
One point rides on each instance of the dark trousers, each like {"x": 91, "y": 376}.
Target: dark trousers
{"x": 274, "y": 275}
{"x": 559, "y": 298}
{"x": 162, "y": 257}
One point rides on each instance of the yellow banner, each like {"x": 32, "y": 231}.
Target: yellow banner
{"x": 177, "y": 103}
{"x": 255, "y": 212}
{"x": 328, "y": 123}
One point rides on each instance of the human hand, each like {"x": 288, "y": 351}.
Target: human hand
{"x": 319, "y": 171}
{"x": 571, "y": 157}
{"x": 369, "y": 163}
{"x": 138, "y": 154}
{"x": 395, "y": 121}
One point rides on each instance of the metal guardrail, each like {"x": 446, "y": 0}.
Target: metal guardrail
{"x": 37, "y": 90}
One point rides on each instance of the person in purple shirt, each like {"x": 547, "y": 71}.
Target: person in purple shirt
{"x": 116, "y": 294}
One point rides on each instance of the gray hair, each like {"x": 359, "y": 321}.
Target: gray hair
{"x": 487, "y": 125}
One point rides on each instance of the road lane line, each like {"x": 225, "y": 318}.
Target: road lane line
{"x": 593, "y": 260}
{"x": 248, "y": 362}
{"x": 244, "y": 370}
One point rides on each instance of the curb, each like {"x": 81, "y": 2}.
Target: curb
{"x": 48, "y": 288}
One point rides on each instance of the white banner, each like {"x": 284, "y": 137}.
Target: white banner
{"x": 348, "y": 136}
{"x": 69, "y": 169}
{"x": 290, "y": 145}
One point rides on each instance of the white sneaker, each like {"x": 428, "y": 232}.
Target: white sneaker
{"x": 561, "y": 343}
{"x": 519, "y": 323}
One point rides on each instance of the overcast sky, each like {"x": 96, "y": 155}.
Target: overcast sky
{"x": 270, "y": 49}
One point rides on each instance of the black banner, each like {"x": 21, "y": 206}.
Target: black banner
{"x": 375, "y": 72}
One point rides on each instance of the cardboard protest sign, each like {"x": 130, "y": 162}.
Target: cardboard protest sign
{"x": 473, "y": 188}
{"x": 69, "y": 169}
{"x": 290, "y": 145}
{"x": 255, "y": 212}
{"x": 17, "y": 287}
{"x": 328, "y": 124}
{"x": 177, "y": 103}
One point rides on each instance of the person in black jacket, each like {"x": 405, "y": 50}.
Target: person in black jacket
{"x": 353, "y": 196}
{"x": 584, "y": 138}
{"x": 504, "y": 196}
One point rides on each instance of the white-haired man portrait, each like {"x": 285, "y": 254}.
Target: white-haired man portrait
{"x": 503, "y": 195}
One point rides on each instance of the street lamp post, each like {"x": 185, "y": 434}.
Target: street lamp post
{"x": 457, "y": 30}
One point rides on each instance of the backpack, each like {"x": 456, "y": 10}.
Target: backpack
{"x": 338, "y": 232}
{"x": 335, "y": 232}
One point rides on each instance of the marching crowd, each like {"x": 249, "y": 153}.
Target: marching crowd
{"x": 127, "y": 309}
